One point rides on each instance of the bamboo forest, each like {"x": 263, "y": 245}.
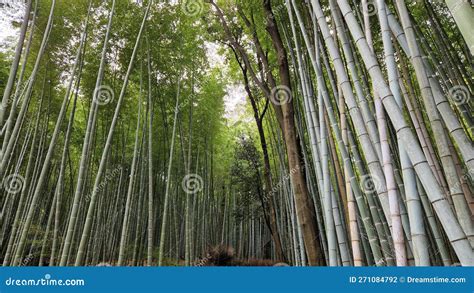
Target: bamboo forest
{"x": 236, "y": 133}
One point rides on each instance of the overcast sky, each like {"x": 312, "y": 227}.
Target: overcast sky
{"x": 10, "y": 14}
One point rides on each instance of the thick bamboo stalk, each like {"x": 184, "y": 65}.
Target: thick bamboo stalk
{"x": 448, "y": 219}
{"x": 462, "y": 210}
{"x": 16, "y": 61}
{"x": 90, "y": 129}
{"x": 464, "y": 16}
{"x": 87, "y": 225}
{"x": 412, "y": 198}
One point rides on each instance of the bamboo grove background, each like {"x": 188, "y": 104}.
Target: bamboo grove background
{"x": 354, "y": 146}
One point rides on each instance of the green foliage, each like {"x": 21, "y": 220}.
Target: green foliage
{"x": 4, "y": 70}
{"x": 246, "y": 178}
